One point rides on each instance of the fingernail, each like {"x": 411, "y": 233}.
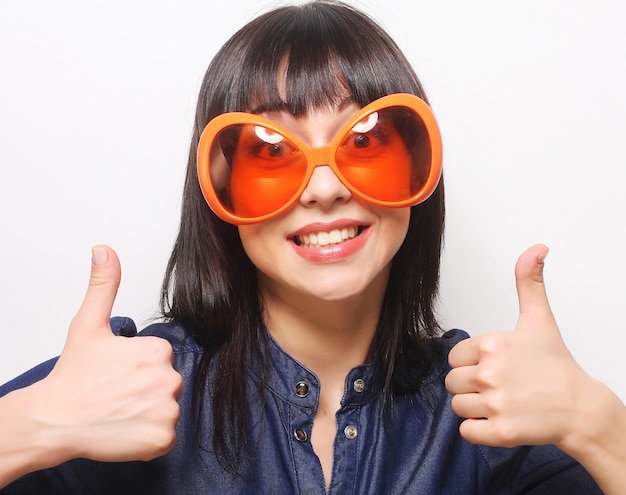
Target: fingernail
{"x": 542, "y": 257}
{"x": 99, "y": 255}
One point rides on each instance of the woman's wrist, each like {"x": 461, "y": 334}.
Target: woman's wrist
{"x": 596, "y": 436}
{"x": 28, "y": 442}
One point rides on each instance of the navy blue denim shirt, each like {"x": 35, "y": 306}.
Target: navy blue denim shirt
{"x": 419, "y": 452}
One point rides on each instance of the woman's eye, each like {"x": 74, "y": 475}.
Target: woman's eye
{"x": 271, "y": 144}
{"x": 275, "y": 150}
{"x": 361, "y": 141}
{"x": 363, "y": 130}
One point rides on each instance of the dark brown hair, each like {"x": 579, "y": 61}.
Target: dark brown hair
{"x": 324, "y": 51}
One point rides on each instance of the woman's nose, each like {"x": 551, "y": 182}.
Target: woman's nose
{"x": 324, "y": 189}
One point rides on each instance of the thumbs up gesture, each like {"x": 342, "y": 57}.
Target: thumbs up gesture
{"x": 108, "y": 398}
{"x": 517, "y": 387}
{"x": 523, "y": 387}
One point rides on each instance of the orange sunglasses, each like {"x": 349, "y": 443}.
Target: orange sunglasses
{"x": 251, "y": 169}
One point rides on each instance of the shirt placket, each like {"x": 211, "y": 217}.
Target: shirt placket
{"x": 347, "y": 445}
{"x": 308, "y": 469}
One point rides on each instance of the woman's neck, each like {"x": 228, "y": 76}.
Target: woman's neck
{"x": 328, "y": 337}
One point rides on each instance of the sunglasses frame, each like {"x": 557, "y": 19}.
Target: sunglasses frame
{"x": 319, "y": 156}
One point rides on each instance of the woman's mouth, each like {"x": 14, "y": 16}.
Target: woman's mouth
{"x": 322, "y": 238}
{"x": 327, "y": 238}
{"x": 329, "y": 242}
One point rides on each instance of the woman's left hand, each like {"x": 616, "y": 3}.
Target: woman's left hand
{"x": 523, "y": 387}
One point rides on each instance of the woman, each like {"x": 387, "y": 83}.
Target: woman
{"x": 300, "y": 312}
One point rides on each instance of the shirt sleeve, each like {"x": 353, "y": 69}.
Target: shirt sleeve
{"x": 70, "y": 477}
{"x": 539, "y": 470}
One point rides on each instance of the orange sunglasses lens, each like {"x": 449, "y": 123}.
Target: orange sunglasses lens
{"x": 254, "y": 170}
{"x": 386, "y": 156}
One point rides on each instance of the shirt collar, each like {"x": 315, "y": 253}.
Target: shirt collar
{"x": 294, "y": 383}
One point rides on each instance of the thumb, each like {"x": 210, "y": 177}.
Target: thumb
{"x": 534, "y": 308}
{"x": 95, "y": 311}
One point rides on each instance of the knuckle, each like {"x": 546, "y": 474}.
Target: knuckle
{"x": 178, "y": 384}
{"x": 169, "y": 380}
{"x": 507, "y": 434}
{"x": 161, "y": 442}
{"x": 495, "y": 405}
{"x": 160, "y": 437}
{"x": 167, "y": 411}
{"x": 164, "y": 440}
{"x": 487, "y": 377}
{"x": 173, "y": 413}
{"x": 489, "y": 344}
{"x": 158, "y": 348}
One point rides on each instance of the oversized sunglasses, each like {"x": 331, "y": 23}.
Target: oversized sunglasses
{"x": 251, "y": 169}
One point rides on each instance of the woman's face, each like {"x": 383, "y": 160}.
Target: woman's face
{"x": 329, "y": 246}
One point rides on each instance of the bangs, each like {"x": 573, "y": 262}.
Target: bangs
{"x": 297, "y": 87}
{"x": 317, "y": 55}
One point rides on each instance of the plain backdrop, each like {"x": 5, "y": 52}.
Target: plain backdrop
{"x": 96, "y": 107}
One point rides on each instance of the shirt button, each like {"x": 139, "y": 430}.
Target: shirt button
{"x": 300, "y": 434}
{"x": 359, "y": 385}
{"x": 350, "y": 432}
{"x": 302, "y": 389}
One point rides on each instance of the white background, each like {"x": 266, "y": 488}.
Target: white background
{"x": 96, "y": 107}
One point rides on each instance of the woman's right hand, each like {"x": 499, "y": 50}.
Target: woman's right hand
{"x": 108, "y": 398}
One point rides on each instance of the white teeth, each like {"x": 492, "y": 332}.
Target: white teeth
{"x": 335, "y": 236}
{"x": 322, "y": 239}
